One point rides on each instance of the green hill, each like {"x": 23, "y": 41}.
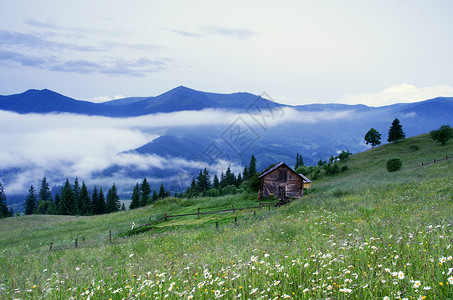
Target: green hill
{"x": 364, "y": 233}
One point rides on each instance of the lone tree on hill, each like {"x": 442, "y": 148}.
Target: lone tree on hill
{"x": 373, "y": 137}
{"x": 396, "y": 132}
{"x": 443, "y": 134}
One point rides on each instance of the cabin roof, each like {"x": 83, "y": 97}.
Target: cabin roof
{"x": 276, "y": 167}
{"x": 302, "y": 176}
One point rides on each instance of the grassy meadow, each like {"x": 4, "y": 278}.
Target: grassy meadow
{"x": 364, "y": 233}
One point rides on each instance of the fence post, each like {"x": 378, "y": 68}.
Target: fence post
{"x": 234, "y": 211}
{"x": 217, "y": 225}
{"x": 422, "y": 164}
{"x": 110, "y": 236}
{"x": 166, "y": 218}
{"x": 198, "y": 213}
{"x": 76, "y": 242}
{"x": 235, "y": 220}
{"x": 51, "y": 244}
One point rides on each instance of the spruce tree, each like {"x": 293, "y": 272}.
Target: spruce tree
{"x": 95, "y": 202}
{"x": 56, "y": 205}
{"x": 230, "y": 179}
{"x": 245, "y": 174}
{"x": 155, "y": 197}
{"x": 396, "y": 132}
{"x": 31, "y": 201}
{"x": 252, "y": 166}
{"x": 135, "y": 203}
{"x": 113, "y": 200}
{"x": 101, "y": 202}
{"x": 216, "y": 182}
{"x": 85, "y": 201}
{"x": 123, "y": 207}
{"x": 44, "y": 192}
{"x": 76, "y": 189}
{"x": 161, "y": 194}
{"x": 145, "y": 192}
{"x": 3, "y": 207}
{"x": 44, "y": 198}
{"x": 68, "y": 205}
{"x": 239, "y": 180}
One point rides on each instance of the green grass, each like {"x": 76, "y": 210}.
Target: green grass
{"x": 364, "y": 233}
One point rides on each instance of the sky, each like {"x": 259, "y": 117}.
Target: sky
{"x": 299, "y": 52}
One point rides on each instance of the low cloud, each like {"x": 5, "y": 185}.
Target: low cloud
{"x": 400, "y": 93}
{"x": 68, "y": 145}
{"x": 101, "y": 99}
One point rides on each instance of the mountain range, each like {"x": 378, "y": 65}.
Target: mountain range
{"x": 244, "y": 124}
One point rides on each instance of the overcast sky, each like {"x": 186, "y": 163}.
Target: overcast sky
{"x": 299, "y": 52}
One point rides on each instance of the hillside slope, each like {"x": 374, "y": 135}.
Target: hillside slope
{"x": 366, "y": 233}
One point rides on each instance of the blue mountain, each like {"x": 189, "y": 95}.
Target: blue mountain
{"x": 178, "y": 99}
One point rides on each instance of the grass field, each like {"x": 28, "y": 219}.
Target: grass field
{"x": 364, "y": 233}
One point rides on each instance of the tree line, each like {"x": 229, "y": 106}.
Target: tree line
{"x": 72, "y": 199}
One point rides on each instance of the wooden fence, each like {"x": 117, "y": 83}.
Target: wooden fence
{"x": 200, "y": 213}
{"x": 434, "y": 161}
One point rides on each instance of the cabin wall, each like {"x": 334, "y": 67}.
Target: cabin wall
{"x": 281, "y": 179}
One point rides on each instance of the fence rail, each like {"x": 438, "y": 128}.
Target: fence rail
{"x": 434, "y": 161}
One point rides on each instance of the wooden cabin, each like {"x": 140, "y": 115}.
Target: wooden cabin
{"x": 282, "y": 182}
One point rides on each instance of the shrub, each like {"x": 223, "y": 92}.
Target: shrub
{"x": 414, "y": 147}
{"x": 394, "y": 164}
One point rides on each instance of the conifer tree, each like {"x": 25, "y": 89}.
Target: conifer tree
{"x": 155, "y": 197}
{"x": 3, "y": 207}
{"x": 101, "y": 202}
{"x": 161, "y": 194}
{"x": 216, "y": 182}
{"x": 396, "y": 132}
{"x": 56, "y": 205}
{"x": 31, "y": 201}
{"x": 68, "y": 205}
{"x": 44, "y": 198}
{"x": 123, "y": 207}
{"x": 239, "y": 180}
{"x": 95, "y": 202}
{"x": 76, "y": 189}
{"x": 44, "y": 192}
{"x": 113, "y": 200}
{"x": 11, "y": 212}
{"x": 299, "y": 161}
{"x": 245, "y": 174}
{"x": 145, "y": 192}
{"x": 135, "y": 203}
{"x": 229, "y": 179}
{"x": 85, "y": 201}
{"x": 252, "y": 166}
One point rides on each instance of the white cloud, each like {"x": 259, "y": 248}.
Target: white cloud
{"x": 68, "y": 145}
{"x": 106, "y": 98}
{"x": 399, "y": 93}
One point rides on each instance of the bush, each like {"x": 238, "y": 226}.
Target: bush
{"x": 394, "y": 164}
{"x": 414, "y": 147}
